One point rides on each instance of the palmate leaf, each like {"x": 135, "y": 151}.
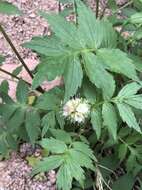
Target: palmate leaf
{"x": 110, "y": 118}
{"x": 128, "y": 95}
{"x": 70, "y": 161}
{"x": 98, "y": 75}
{"x": 72, "y": 77}
{"x": 117, "y": 61}
{"x": 126, "y": 99}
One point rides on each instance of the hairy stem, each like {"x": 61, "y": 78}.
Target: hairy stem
{"x": 97, "y": 8}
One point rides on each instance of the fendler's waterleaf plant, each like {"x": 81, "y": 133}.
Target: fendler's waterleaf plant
{"x": 90, "y": 125}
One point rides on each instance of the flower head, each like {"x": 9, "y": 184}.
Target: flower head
{"x": 76, "y": 110}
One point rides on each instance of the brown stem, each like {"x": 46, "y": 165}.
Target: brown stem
{"x": 18, "y": 78}
{"x": 15, "y": 50}
{"x": 19, "y": 57}
{"x": 12, "y": 75}
{"x": 97, "y": 8}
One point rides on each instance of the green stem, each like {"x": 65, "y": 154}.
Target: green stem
{"x": 97, "y": 8}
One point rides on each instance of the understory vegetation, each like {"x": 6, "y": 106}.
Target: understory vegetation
{"x": 90, "y": 127}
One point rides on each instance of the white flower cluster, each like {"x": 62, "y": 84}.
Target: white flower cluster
{"x": 76, "y": 110}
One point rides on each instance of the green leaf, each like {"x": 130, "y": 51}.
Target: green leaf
{"x": 82, "y": 159}
{"x": 84, "y": 148}
{"x": 95, "y": 33}
{"x": 32, "y": 124}
{"x": 4, "y": 86}
{"x": 136, "y": 18}
{"x": 76, "y": 171}
{"x": 48, "y": 164}
{"x": 16, "y": 120}
{"x": 64, "y": 178}
{"x": 129, "y": 90}
{"x": 135, "y": 101}
{"x": 72, "y": 77}
{"x": 60, "y": 119}
{"x": 47, "y": 70}
{"x": 1, "y": 59}
{"x": 48, "y": 121}
{"x": 50, "y": 47}
{"x": 128, "y": 116}
{"x": 98, "y": 75}
{"x": 131, "y": 162}
{"x": 44, "y": 101}
{"x": 89, "y": 91}
{"x": 8, "y": 8}
{"x": 117, "y": 61}
{"x": 64, "y": 30}
{"x": 61, "y": 135}
{"x": 22, "y": 92}
{"x": 17, "y": 70}
{"x": 137, "y": 62}
{"x": 110, "y": 118}
{"x": 54, "y": 145}
{"x": 122, "y": 151}
{"x": 7, "y": 110}
{"x": 96, "y": 120}
{"x": 124, "y": 182}
{"x": 71, "y": 161}
{"x": 112, "y": 5}
{"x": 6, "y": 98}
